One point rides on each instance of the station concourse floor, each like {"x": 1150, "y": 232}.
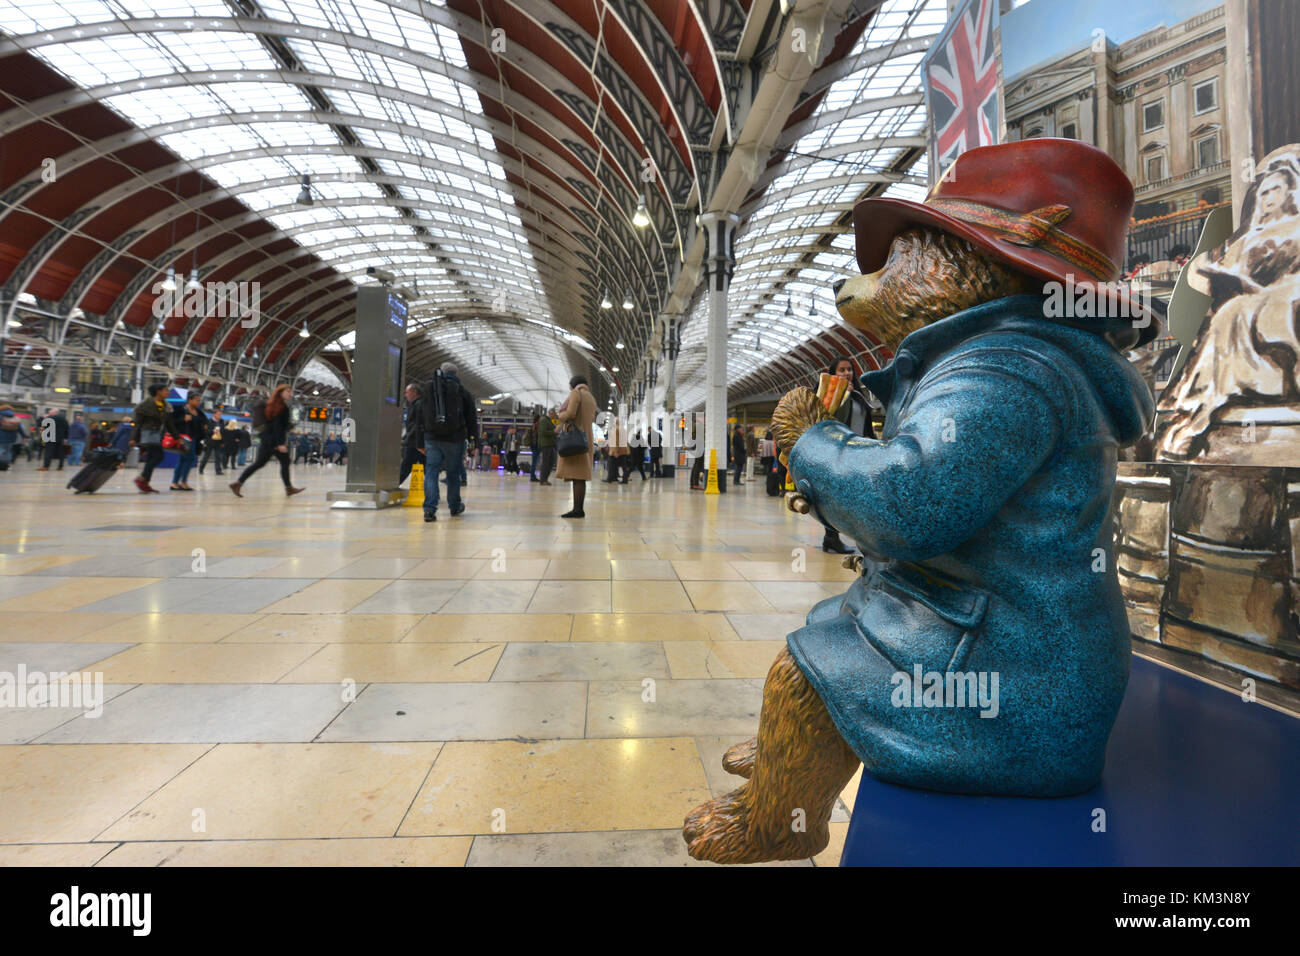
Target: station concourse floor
{"x": 339, "y": 688}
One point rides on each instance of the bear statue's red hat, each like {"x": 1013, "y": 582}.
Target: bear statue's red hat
{"x": 1054, "y": 209}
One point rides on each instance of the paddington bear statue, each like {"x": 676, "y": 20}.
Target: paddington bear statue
{"x": 984, "y": 649}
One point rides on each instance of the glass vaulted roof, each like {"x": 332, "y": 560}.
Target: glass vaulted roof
{"x": 781, "y": 291}
{"x": 424, "y": 197}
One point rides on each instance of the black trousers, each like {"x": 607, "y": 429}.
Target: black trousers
{"x": 51, "y": 451}
{"x": 152, "y": 456}
{"x": 410, "y": 456}
{"x": 264, "y": 453}
{"x": 208, "y": 451}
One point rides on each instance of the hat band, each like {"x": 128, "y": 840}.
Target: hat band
{"x": 1037, "y": 228}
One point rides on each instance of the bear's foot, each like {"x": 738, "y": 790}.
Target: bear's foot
{"x": 740, "y": 758}
{"x": 724, "y": 831}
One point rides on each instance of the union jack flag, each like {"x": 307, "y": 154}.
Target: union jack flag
{"x": 961, "y": 80}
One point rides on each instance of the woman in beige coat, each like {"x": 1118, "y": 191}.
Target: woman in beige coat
{"x": 580, "y": 409}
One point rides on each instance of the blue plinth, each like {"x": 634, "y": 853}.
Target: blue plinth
{"x": 1194, "y": 777}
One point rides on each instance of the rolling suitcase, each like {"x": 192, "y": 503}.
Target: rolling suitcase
{"x": 776, "y": 480}
{"x": 97, "y": 471}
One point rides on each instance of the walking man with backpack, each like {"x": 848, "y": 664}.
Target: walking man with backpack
{"x": 449, "y": 421}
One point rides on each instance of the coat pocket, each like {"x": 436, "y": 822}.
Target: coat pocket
{"x": 914, "y": 617}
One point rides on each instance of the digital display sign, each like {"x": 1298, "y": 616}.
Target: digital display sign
{"x": 397, "y": 310}
{"x": 393, "y": 376}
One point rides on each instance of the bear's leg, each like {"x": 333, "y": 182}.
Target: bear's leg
{"x": 800, "y": 766}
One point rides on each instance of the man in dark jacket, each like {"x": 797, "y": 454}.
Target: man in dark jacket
{"x": 412, "y": 431}
{"x": 54, "y": 432}
{"x": 738, "y": 453}
{"x": 449, "y": 420}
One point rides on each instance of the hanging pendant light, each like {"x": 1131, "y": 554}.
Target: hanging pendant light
{"x": 614, "y": 369}
{"x": 37, "y": 366}
{"x": 193, "y": 284}
{"x": 640, "y": 218}
{"x": 157, "y": 338}
{"x": 169, "y": 284}
{"x": 605, "y": 303}
{"x": 304, "y": 334}
{"x": 304, "y": 194}
{"x": 619, "y": 344}
{"x": 627, "y": 302}
{"x": 789, "y": 306}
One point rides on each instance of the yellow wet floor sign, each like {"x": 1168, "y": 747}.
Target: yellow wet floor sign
{"x": 711, "y": 487}
{"x": 415, "y": 496}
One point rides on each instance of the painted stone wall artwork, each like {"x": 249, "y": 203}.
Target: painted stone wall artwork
{"x": 1236, "y": 400}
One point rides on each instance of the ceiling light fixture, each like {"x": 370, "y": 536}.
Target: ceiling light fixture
{"x": 605, "y": 303}
{"x": 619, "y": 344}
{"x": 169, "y": 284}
{"x": 627, "y": 302}
{"x": 640, "y": 218}
{"x": 304, "y": 334}
{"x": 193, "y": 284}
{"x": 304, "y": 194}
{"x": 789, "y": 306}
{"x": 614, "y": 369}
{"x": 37, "y": 366}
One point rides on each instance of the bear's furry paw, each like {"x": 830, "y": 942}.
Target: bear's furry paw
{"x": 725, "y": 830}
{"x": 740, "y": 758}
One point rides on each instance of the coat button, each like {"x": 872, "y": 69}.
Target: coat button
{"x": 905, "y": 363}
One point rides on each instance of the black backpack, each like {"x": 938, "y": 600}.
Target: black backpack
{"x": 444, "y": 407}
{"x": 258, "y": 413}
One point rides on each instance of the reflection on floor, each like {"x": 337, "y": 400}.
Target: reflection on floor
{"x": 285, "y": 684}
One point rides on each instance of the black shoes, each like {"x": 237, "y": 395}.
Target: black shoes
{"x": 430, "y": 516}
{"x": 832, "y": 544}
{"x": 574, "y": 514}
{"x": 458, "y": 511}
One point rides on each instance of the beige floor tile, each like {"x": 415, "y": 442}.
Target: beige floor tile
{"x": 390, "y": 851}
{"x": 73, "y": 593}
{"x": 652, "y": 627}
{"x": 325, "y": 629}
{"x": 642, "y": 569}
{"x": 559, "y": 786}
{"x": 204, "y": 663}
{"x": 335, "y": 596}
{"x": 578, "y": 597}
{"x": 507, "y": 567}
{"x": 786, "y": 571}
{"x": 397, "y": 663}
{"x": 637, "y": 596}
{"x": 58, "y": 793}
{"x": 306, "y": 565}
{"x": 705, "y": 571}
{"x": 30, "y": 563}
{"x": 491, "y": 627}
{"x": 726, "y": 596}
{"x": 58, "y": 626}
{"x": 53, "y": 854}
{"x": 176, "y": 628}
{"x": 578, "y": 569}
{"x": 285, "y": 791}
{"x": 447, "y": 569}
{"x": 700, "y": 660}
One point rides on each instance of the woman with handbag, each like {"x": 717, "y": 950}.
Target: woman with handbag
{"x": 574, "y": 442}
{"x": 153, "y": 420}
{"x": 274, "y": 441}
{"x": 193, "y": 425}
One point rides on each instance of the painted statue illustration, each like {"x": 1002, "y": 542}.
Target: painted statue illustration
{"x": 1245, "y": 358}
{"x": 984, "y": 648}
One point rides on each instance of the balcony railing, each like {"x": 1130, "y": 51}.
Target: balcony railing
{"x": 1200, "y": 172}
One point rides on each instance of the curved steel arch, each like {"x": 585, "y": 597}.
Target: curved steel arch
{"x": 95, "y": 151}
